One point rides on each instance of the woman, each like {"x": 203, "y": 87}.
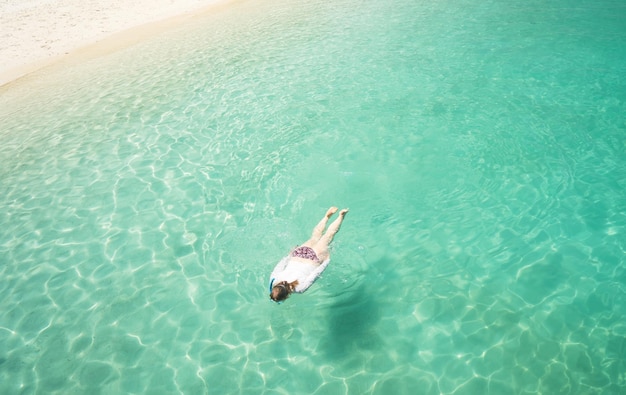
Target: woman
{"x": 297, "y": 271}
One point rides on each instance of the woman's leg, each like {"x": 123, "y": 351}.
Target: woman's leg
{"x": 321, "y": 247}
{"x": 319, "y": 228}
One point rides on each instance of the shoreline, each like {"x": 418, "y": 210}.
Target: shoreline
{"x": 31, "y": 38}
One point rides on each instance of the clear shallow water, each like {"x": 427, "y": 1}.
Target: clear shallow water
{"x": 145, "y": 197}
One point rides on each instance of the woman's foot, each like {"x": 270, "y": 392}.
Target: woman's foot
{"x": 331, "y": 211}
{"x": 344, "y": 212}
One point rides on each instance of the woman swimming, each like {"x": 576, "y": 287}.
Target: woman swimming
{"x": 297, "y": 271}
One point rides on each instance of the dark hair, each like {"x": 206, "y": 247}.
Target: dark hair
{"x": 282, "y": 290}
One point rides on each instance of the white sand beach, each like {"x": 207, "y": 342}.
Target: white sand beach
{"x": 36, "y": 33}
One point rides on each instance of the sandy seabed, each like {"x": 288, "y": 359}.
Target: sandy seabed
{"x": 35, "y": 33}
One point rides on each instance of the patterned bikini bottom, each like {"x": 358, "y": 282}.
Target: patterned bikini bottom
{"x": 306, "y": 253}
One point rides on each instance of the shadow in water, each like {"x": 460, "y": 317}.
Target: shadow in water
{"x": 352, "y": 321}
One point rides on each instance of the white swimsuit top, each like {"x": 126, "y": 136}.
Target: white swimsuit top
{"x": 290, "y": 270}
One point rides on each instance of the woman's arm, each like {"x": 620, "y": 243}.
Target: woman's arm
{"x": 277, "y": 269}
{"x": 312, "y": 277}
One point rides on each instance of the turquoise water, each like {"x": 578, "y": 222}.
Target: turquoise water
{"x": 481, "y": 147}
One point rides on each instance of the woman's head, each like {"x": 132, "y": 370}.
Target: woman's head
{"x": 282, "y": 290}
